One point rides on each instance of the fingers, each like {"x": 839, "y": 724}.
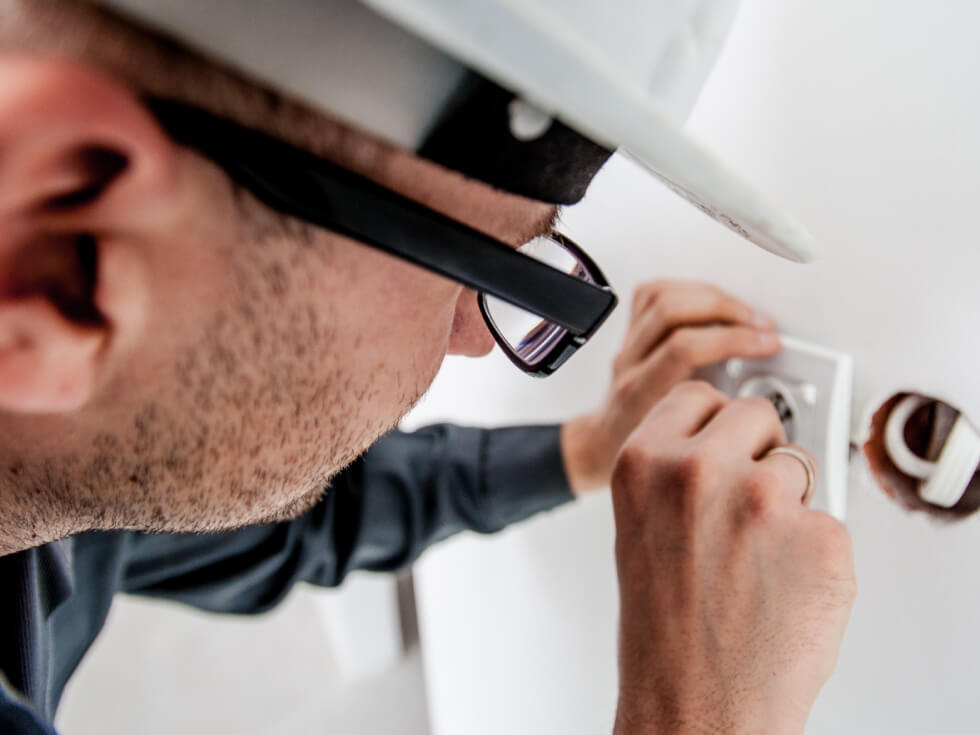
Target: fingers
{"x": 678, "y": 327}
{"x": 748, "y": 427}
{"x": 647, "y": 293}
{"x": 697, "y": 436}
{"x": 741, "y": 435}
{"x": 690, "y": 348}
{"x": 663, "y": 306}
{"x": 684, "y": 410}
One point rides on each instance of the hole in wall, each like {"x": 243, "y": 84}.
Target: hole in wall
{"x": 928, "y": 424}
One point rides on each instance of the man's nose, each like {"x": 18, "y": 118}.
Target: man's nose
{"x": 470, "y": 335}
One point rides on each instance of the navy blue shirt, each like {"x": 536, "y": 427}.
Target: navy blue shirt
{"x": 407, "y": 492}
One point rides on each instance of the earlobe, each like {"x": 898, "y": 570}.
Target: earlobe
{"x": 47, "y": 363}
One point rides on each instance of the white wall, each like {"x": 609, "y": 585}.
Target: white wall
{"x": 160, "y": 668}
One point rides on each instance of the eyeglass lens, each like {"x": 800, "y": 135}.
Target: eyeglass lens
{"x": 529, "y": 336}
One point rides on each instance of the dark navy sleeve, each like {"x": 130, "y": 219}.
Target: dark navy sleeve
{"x": 407, "y": 492}
{"x": 19, "y": 718}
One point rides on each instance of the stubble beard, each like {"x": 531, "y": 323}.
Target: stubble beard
{"x": 248, "y": 435}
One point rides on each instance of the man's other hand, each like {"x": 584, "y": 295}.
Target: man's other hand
{"x": 675, "y": 328}
{"x": 734, "y": 596}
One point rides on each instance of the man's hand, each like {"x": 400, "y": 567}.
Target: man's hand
{"x": 675, "y": 328}
{"x": 734, "y": 597}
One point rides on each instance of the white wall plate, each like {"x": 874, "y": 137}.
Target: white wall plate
{"x": 811, "y": 387}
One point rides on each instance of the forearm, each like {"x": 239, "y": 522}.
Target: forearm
{"x": 586, "y": 454}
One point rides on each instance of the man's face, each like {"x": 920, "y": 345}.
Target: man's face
{"x": 177, "y": 356}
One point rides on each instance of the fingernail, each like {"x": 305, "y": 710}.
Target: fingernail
{"x": 762, "y": 321}
{"x": 768, "y": 340}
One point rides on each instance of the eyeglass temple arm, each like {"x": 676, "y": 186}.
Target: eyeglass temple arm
{"x": 318, "y": 191}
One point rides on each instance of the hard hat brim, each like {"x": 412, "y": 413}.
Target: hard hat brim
{"x": 539, "y": 55}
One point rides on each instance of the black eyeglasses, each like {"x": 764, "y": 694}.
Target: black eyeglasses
{"x": 541, "y": 302}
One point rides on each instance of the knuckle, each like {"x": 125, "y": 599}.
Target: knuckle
{"x": 623, "y": 473}
{"x": 667, "y": 308}
{"x": 761, "y": 495}
{"x": 694, "y": 472}
{"x": 634, "y": 471}
{"x": 626, "y": 388}
{"x": 730, "y": 305}
{"x": 646, "y": 292}
{"x": 687, "y": 471}
{"x": 640, "y": 292}
{"x": 634, "y": 460}
{"x": 720, "y": 301}
{"x": 679, "y": 347}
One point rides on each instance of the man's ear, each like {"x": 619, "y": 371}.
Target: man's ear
{"x": 84, "y": 173}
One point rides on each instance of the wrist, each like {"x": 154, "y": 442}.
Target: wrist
{"x": 579, "y": 453}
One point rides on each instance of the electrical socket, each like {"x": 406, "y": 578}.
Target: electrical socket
{"x": 810, "y": 386}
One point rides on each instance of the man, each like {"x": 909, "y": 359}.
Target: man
{"x": 195, "y": 343}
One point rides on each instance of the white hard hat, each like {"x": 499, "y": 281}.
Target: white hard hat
{"x": 528, "y": 95}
